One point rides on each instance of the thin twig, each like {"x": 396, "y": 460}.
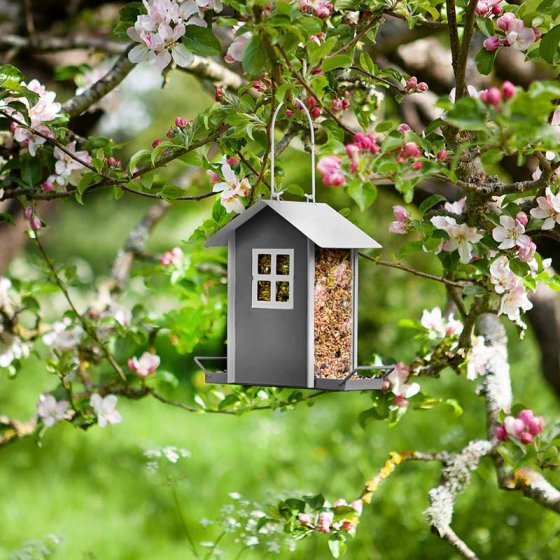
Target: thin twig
{"x": 453, "y": 32}
{"x": 309, "y": 90}
{"x": 85, "y": 325}
{"x": 398, "y": 266}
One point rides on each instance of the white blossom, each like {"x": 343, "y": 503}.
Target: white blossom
{"x": 63, "y": 335}
{"x": 50, "y": 410}
{"x": 461, "y": 236}
{"x": 398, "y": 379}
{"x": 105, "y": 409}
{"x": 548, "y": 209}
{"x": 12, "y": 348}
{"x": 231, "y": 189}
{"x": 510, "y": 233}
{"x": 5, "y": 285}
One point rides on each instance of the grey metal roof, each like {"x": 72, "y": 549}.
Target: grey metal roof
{"x": 317, "y": 221}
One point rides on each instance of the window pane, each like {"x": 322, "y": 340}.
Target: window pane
{"x": 283, "y": 264}
{"x": 282, "y": 291}
{"x": 263, "y": 290}
{"x": 264, "y": 264}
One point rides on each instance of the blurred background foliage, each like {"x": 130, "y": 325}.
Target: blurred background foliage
{"x": 91, "y": 496}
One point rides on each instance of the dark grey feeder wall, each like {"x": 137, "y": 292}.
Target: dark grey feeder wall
{"x": 275, "y": 347}
{"x": 270, "y": 344}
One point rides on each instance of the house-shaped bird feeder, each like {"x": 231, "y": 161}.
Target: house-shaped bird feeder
{"x": 292, "y": 297}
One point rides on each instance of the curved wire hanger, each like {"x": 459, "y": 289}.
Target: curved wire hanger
{"x": 273, "y": 192}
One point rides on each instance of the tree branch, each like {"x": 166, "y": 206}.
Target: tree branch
{"x": 463, "y": 56}
{"x": 120, "y": 70}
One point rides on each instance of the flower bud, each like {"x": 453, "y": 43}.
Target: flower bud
{"x": 156, "y": 143}
{"x": 404, "y": 128}
{"x": 492, "y": 44}
{"x": 47, "y": 186}
{"x": 422, "y": 87}
{"x": 417, "y": 165}
{"x": 218, "y": 94}
{"x": 491, "y": 96}
{"x": 35, "y": 223}
{"x": 441, "y": 155}
{"x": 28, "y": 212}
{"x": 180, "y": 122}
{"x": 316, "y": 112}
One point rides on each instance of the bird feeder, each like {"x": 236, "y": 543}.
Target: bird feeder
{"x": 292, "y": 294}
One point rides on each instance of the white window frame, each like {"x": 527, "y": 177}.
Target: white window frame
{"x": 272, "y": 278}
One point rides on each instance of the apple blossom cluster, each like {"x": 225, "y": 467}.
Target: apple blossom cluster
{"x": 512, "y": 33}
{"x": 523, "y": 427}
{"x": 319, "y": 8}
{"x": 324, "y": 521}
{"x": 511, "y": 289}
{"x": 438, "y": 326}
{"x": 63, "y": 335}
{"x": 70, "y": 165}
{"x": 160, "y": 30}
{"x": 174, "y": 257}
{"x": 494, "y": 96}
{"x": 145, "y": 365}
{"x": 232, "y": 188}
{"x": 489, "y": 8}
{"x": 397, "y": 381}
{"x": 42, "y": 112}
{"x": 362, "y": 147}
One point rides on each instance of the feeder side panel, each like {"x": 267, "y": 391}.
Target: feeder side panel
{"x": 270, "y": 344}
{"x": 231, "y": 308}
{"x": 355, "y": 302}
{"x": 334, "y": 313}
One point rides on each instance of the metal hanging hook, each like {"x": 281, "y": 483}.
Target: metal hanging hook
{"x": 272, "y": 155}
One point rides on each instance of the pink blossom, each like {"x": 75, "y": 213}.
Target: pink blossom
{"x": 401, "y": 224}
{"x": 366, "y": 142}
{"x": 181, "y": 122}
{"x": 47, "y": 186}
{"x": 172, "y": 257}
{"x": 329, "y": 167}
{"x": 340, "y": 502}
{"x": 325, "y": 521}
{"x": 526, "y": 252}
{"x": 548, "y": 209}
{"x": 457, "y": 207}
{"x": 523, "y": 427}
{"x": 515, "y": 301}
{"x": 218, "y": 94}
{"x": 441, "y": 155}
{"x": 145, "y": 365}
{"x": 518, "y": 36}
{"x": 417, "y": 165}
{"x": 501, "y": 275}
{"x": 510, "y": 233}
{"x": 398, "y": 379}
{"x": 305, "y": 519}
{"x": 505, "y": 21}
{"x": 35, "y": 223}
{"x": 404, "y": 128}
{"x": 357, "y": 506}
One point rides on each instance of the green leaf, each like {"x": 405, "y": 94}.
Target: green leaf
{"x": 254, "y": 56}
{"x": 337, "y": 546}
{"x": 468, "y": 114}
{"x": 486, "y": 26}
{"x": 137, "y": 157}
{"x": 171, "y": 192}
{"x": 201, "y": 40}
{"x": 317, "y": 52}
{"x": 430, "y": 202}
{"x": 485, "y": 61}
{"x": 9, "y": 73}
{"x": 549, "y": 45}
{"x": 337, "y": 61}
{"x": 363, "y": 194}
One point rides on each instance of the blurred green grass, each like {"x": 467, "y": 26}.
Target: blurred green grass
{"x": 93, "y": 490}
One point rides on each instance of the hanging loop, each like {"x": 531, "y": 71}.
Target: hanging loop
{"x": 273, "y": 193}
